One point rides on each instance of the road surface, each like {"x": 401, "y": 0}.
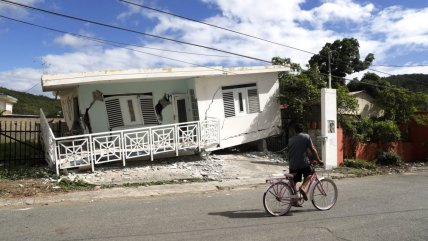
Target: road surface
{"x": 393, "y": 207}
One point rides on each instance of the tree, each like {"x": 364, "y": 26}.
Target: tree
{"x": 345, "y": 59}
{"x": 371, "y": 83}
{"x": 299, "y": 89}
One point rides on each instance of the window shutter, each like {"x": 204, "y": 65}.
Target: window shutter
{"x": 253, "y": 101}
{"x": 229, "y": 104}
{"x": 114, "y": 113}
{"x": 148, "y": 111}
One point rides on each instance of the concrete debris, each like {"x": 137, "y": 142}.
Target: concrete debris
{"x": 213, "y": 166}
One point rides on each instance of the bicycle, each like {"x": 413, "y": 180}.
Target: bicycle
{"x": 281, "y": 194}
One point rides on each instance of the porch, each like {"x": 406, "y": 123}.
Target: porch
{"x": 122, "y": 145}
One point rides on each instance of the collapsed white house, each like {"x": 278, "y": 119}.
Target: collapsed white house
{"x": 125, "y": 114}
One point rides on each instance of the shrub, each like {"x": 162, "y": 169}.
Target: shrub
{"x": 388, "y": 159}
{"x": 360, "y": 164}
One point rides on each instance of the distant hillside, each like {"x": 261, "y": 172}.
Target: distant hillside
{"x": 412, "y": 82}
{"x": 29, "y": 104}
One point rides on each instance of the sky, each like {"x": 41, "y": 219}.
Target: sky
{"x": 396, "y": 32}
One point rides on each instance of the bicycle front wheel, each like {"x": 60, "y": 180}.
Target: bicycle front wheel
{"x": 277, "y": 199}
{"x": 324, "y": 194}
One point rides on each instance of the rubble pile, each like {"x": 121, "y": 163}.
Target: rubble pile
{"x": 210, "y": 166}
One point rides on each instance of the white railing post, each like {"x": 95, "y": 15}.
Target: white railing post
{"x": 92, "y": 154}
{"x": 151, "y": 145}
{"x": 176, "y": 134}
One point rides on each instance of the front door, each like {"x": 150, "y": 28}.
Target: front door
{"x": 181, "y": 108}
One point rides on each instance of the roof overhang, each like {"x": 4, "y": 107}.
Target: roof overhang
{"x": 8, "y": 98}
{"x": 55, "y": 82}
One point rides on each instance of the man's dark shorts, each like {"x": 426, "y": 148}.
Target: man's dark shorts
{"x": 309, "y": 170}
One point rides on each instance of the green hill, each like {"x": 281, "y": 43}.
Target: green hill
{"x": 412, "y": 82}
{"x": 29, "y": 104}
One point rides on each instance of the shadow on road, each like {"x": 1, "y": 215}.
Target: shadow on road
{"x": 255, "y": 213}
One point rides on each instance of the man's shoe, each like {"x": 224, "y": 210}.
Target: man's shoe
{"x": 296, "y": 204}
{"x": 303, "y": 194}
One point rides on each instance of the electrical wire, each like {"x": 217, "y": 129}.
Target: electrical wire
{"x": 151, "y": 35}
{"x": 229, "y": 30}
{"x": 115, "y": 44}
{"x": 132, "y": 31}
{"x": 215, "y": 26}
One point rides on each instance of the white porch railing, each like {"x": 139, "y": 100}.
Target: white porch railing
{"x": 91, "y": 149}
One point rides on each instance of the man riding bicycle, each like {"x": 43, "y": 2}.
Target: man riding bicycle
{"x": 299, "y": 163}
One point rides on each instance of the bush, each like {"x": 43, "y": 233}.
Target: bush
{"x": 388, "y": 159}
{"x": 360, "y": 164}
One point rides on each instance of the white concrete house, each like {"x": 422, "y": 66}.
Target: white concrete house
{"x": 6, "y": 104}
{"x": 366, "y": 105}
{"x": 144, "y": 112}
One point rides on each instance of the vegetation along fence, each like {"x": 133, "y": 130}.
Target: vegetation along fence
{"x": 20, "y": 143}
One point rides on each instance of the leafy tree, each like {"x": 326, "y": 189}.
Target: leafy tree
{"x": 346, "y": 104}
{"x": 299, "y": 89}
{"x": 371, "y": 83}
{"x": 345, "y": 59}
{"x": 385, "y": 132}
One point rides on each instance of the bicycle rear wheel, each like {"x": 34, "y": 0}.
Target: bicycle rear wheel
{"x": 277, "y": 199}
{"x": 324, "y": 194}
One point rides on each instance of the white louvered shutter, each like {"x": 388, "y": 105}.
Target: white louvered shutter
{"x": 148, "y": 111}
{"x": 114, "y": 113}
{"x": 253, "y": 101}
{"x": 229, "y": 104}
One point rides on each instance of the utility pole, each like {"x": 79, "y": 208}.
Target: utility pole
{"x": 329, "y": 70}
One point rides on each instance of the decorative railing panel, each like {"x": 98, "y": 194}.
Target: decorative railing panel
{"x": 163, "y": 140}
{"x": 210, "y": 132}
{"x": 136, "y": 144}
{"x": 91, "y": 149}
{"x": 107, "y": 147}
{"x": 187, "y": 136}
{"x": 73, "y": 152}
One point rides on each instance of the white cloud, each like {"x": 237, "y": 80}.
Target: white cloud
{"x": 279, "y": 21}
{"x": 338, "y": 10}
{"x": 14, "y": 11}
{"x": 74, "y": 41}
{"x": 23, "y": 79}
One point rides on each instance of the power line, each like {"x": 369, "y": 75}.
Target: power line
{"x": 215, "y": 26}
{"x": 400, "y": 66}
{"x": 155, "y": 36}
{"x": 87, "y": 37}
{"x": 131, "y": 30}
{"x": 111, "y": 43}
{"x": 227, "y": 29}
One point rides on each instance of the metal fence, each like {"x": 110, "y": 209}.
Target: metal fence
{"x": 20, "y": 142}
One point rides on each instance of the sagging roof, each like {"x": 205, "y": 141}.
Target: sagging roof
{"x": 52, "y": 82}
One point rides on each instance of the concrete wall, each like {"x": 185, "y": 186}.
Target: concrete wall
{"x": 7, "y": 107}
{"x": 240, "y": 129}
{"x": 415, "y": 148}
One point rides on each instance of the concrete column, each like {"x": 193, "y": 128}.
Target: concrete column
{"x": 329, "y": 127}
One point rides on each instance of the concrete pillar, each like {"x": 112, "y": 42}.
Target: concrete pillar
{"x": 329, "y": 127}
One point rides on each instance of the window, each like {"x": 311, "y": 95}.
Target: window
{"x": 240, "y": 100}
{"x": 130, "y": 110}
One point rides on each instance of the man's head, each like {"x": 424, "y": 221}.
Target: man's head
{"x": 298, "y": 128}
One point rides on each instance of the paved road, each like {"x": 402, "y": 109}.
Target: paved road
{"x": 374, "y": 208}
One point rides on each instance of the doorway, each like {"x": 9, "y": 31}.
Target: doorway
{"x": 181, "y": 108}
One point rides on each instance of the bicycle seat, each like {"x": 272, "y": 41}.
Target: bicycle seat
{"x": 289, "y": 175}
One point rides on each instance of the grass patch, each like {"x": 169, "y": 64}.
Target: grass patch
{"x": 146, "y": 184}
{"x": 76, "y": 184}
{"x": 360, "y": 164}
{"x": 358, "y": 172}
{"x": 17, "y": 173}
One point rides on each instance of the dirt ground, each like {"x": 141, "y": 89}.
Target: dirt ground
{"x": 218, "y": 167}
